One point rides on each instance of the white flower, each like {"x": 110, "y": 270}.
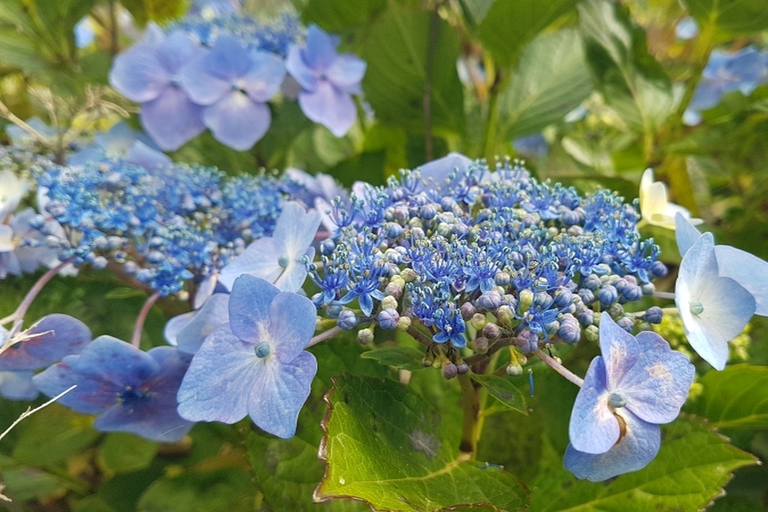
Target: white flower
{"x": 655, "y": 206}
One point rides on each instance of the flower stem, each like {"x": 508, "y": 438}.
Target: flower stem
{"x": 136, "y": 339}
{"x": 470, "y": 431}
{"x": 32, "y": 293}
{"x": 664, "y": 295}
{"x": 559, "y": 368}
{"x": 330, "y": 333}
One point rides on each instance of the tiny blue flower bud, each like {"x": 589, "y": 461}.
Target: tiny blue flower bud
{"x": 347, "y": 319}
{"x": 586, "y": 295}
{"x": 428, "y": 212}
{"x": 563, "y": 297}
{"x": 467, "y": 310}
{"x": 569, "y": 331}
{"x": 626, "y": 323}
{"x": 489, "y": 301}
{"x": 327, "y": 246}
{"x": 659, "y": 269}
{"x": 607, "y": 295}
{"x": 388, "y": 318}
{"x": 654, "y": 314}
{"x": 591, "y": 282}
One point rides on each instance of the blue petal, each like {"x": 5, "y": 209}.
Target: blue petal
{"x": 292, "y": 320}
{"x": 18, "y": 385}
{"x": 593, "y": 427}
{"x": 279, "y": 394}
{"x": 264, "y": 78}
{"x": 346, "y": 72}
{"x": 237, "y": 121}
{"x": 657, "y": 385}
{"x": 260, "y": 259}
{"x": 438, "y": 170}
{"x": 249, "y": 307}
{"x": 112, "y": 360}
{"x": 220, "y": 379}
{"x": 619, "y": 348}
{"x": 330, "y": 107}
{"x": 49, "y": 340}
{"x": 746, "y": 269}
{"x": 707, "y": 95}
{"x": 633, "y": 452}
{"x": 203, "y": 87}
{"x": 306, "y": 77}
{"x": 172, "y": 119}
{"x": 295, "y": 231}
{"x": 685, "y": 234}
{"x": 142, "y": 155}
{"x": 138, "y": 75}
{"x": 177, "y": 51}
{"x": 320, "y": 50}
{"x": 214, "y": 313}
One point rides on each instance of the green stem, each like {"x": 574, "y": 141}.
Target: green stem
{"x": 472, "y": 424}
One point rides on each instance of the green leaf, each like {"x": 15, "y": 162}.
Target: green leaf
{"x": 155, "y": 10}
{"x": 387, "y": 446}
{"x": 737, "y": 397}
{"x": 397, "y": 50}
{"x": 737, "y": 16}
{"x": 53, "y": 434}
{"x": 504, "y": 391}
{"x": 508, "y": 26}
{"x": 551, "y": 80}
{"x": 693, "y": 465}
{"x": 476, "y": 9}
{"x": 29, "y": 483}
{"x": 225, "y": 489}
{"x": 122, "y": 452}
{"x": 340, "y": 15}
{"x": 405, "y": 358}
{"x": 632, "y": 81}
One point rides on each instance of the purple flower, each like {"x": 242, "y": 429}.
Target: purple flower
{"x": 714, "y": 309}
{"x": 327, "y": 80}
{"x": 130, "y": 390}
{"x": 278, "y": 258}
{"x": 234, "y": 85}
{"x": 148, "y": 73}
{"x": 637, "y": 384}
{"x": 46, "y": 342}
{"x": 256, "y": 364}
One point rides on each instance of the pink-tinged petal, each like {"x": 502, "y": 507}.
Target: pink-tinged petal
{"x": 46, "y": 342}
{"x": 237, "y": 121}
{"x": 619, "y": 349}
{"x": 172, "y": 119}
{"x": 330, "y": 107}
{"x": 260, "y": 259}
{"x": 249, "y": 307}
{"x": 713, "y": 309}
{"x": 281, "y": 390}
{"x": 593, "y": 427}
{"x": 346, "y": 71}
{"x": 657, "y": 385}
{"x": 292, "y": 320}
{"x": 746, "y": 269}
{"x": 219, "y": 380}
{"x": 91, "y": 396}
{"x": 320, "y": 50}
{"x": 138, "y": 75}
{"x": 264, "y": 78}
{"x": 633, "y": 452}
{"x": 306, "y": 77}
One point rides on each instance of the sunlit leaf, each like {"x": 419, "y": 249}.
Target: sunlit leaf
{"x": 739, "y": 16}
{"x": 405, "y": 358}
{"x": 737, "y": 397}
{"x": 504, "y": 391}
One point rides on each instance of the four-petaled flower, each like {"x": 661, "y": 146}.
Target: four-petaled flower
{"x": 256, "y": 364}
{"x": 655, "y": 205}
{"x": 327, "y": 80}
{"x": 131, "y": 390}
{"x": 637, "y": 384}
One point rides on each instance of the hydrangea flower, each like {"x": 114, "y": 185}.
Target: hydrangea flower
{"x": 746, "y": 269}
{"x": 188, "y": 330}
{"x": 123, "y": 143}
{"x": 130, "y": 390}
{"x": 278, "y": 258}
{"x": 12, "y": 191}
{"x": 234, "y": 85}
{"x": 636, "y": 384}
{"x": 714, "y": 309}
{"x": 148, "y": 73}
{"x": 327, "y": 80}
{"x": 256, "y": 364}
{"x": 23, "y": 248}
{"x": 18, "y": 385}
{"x": 655, "y": 206}
{"x": 20, "y": 137}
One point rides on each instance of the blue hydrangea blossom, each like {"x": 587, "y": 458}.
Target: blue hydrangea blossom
{"x": 130, "y": 390}
{"x": 234, "y": 84}
{"x": 327, "y": 80}
{"x": 636, "y": 384}
{"x": 46, "y": 342}
{"x": 256, "y": 364}
{"x": 188, "y": 330}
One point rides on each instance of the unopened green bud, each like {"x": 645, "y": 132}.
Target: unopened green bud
{"x": 505, "y": 316}
{"x": 479, "y": 321}
{"x": 365, "y": 336}
{"x": 616, "y": 310}
{"x": 388, "y": 302}
{"x": 481, "y": 344}
{"x": 526, "y": 299}
{"x": 591, "y": 333}
{"x": 408, "y": 275}
{"x": 404, "y": 323}
{"x": 514, "y": 370}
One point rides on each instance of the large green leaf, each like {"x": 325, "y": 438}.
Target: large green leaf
{"x": 504, "y": 391}
{"x": 737, "y": 397}
{"x": 227, "y": 489}
{"x": 387, "y": 446}
{"x": 551, "y": 79}
{"x": 739, "y": 16}
{"x": 397, "y": 50}
{"x": 122, "y": 452}
{"x": 405, "y": 358}
{"x": 340, "y": 15}
{"x": 693, "y": 465}
{"x": 633, "y": 82}
{"x": 508, "y": 26}
{"x": 53, "y": 434}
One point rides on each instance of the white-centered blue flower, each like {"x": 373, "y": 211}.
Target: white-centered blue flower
{"x": 714, "y": 309}
{"x": 637, "y": 383}
{"x": 256, "y": 364}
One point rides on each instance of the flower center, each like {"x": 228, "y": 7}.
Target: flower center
{"x": 617, "y": 400}
{"x": 283, "y": 261}
{"x": 697, "y": 308}
{"x": 262, "y": 350}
